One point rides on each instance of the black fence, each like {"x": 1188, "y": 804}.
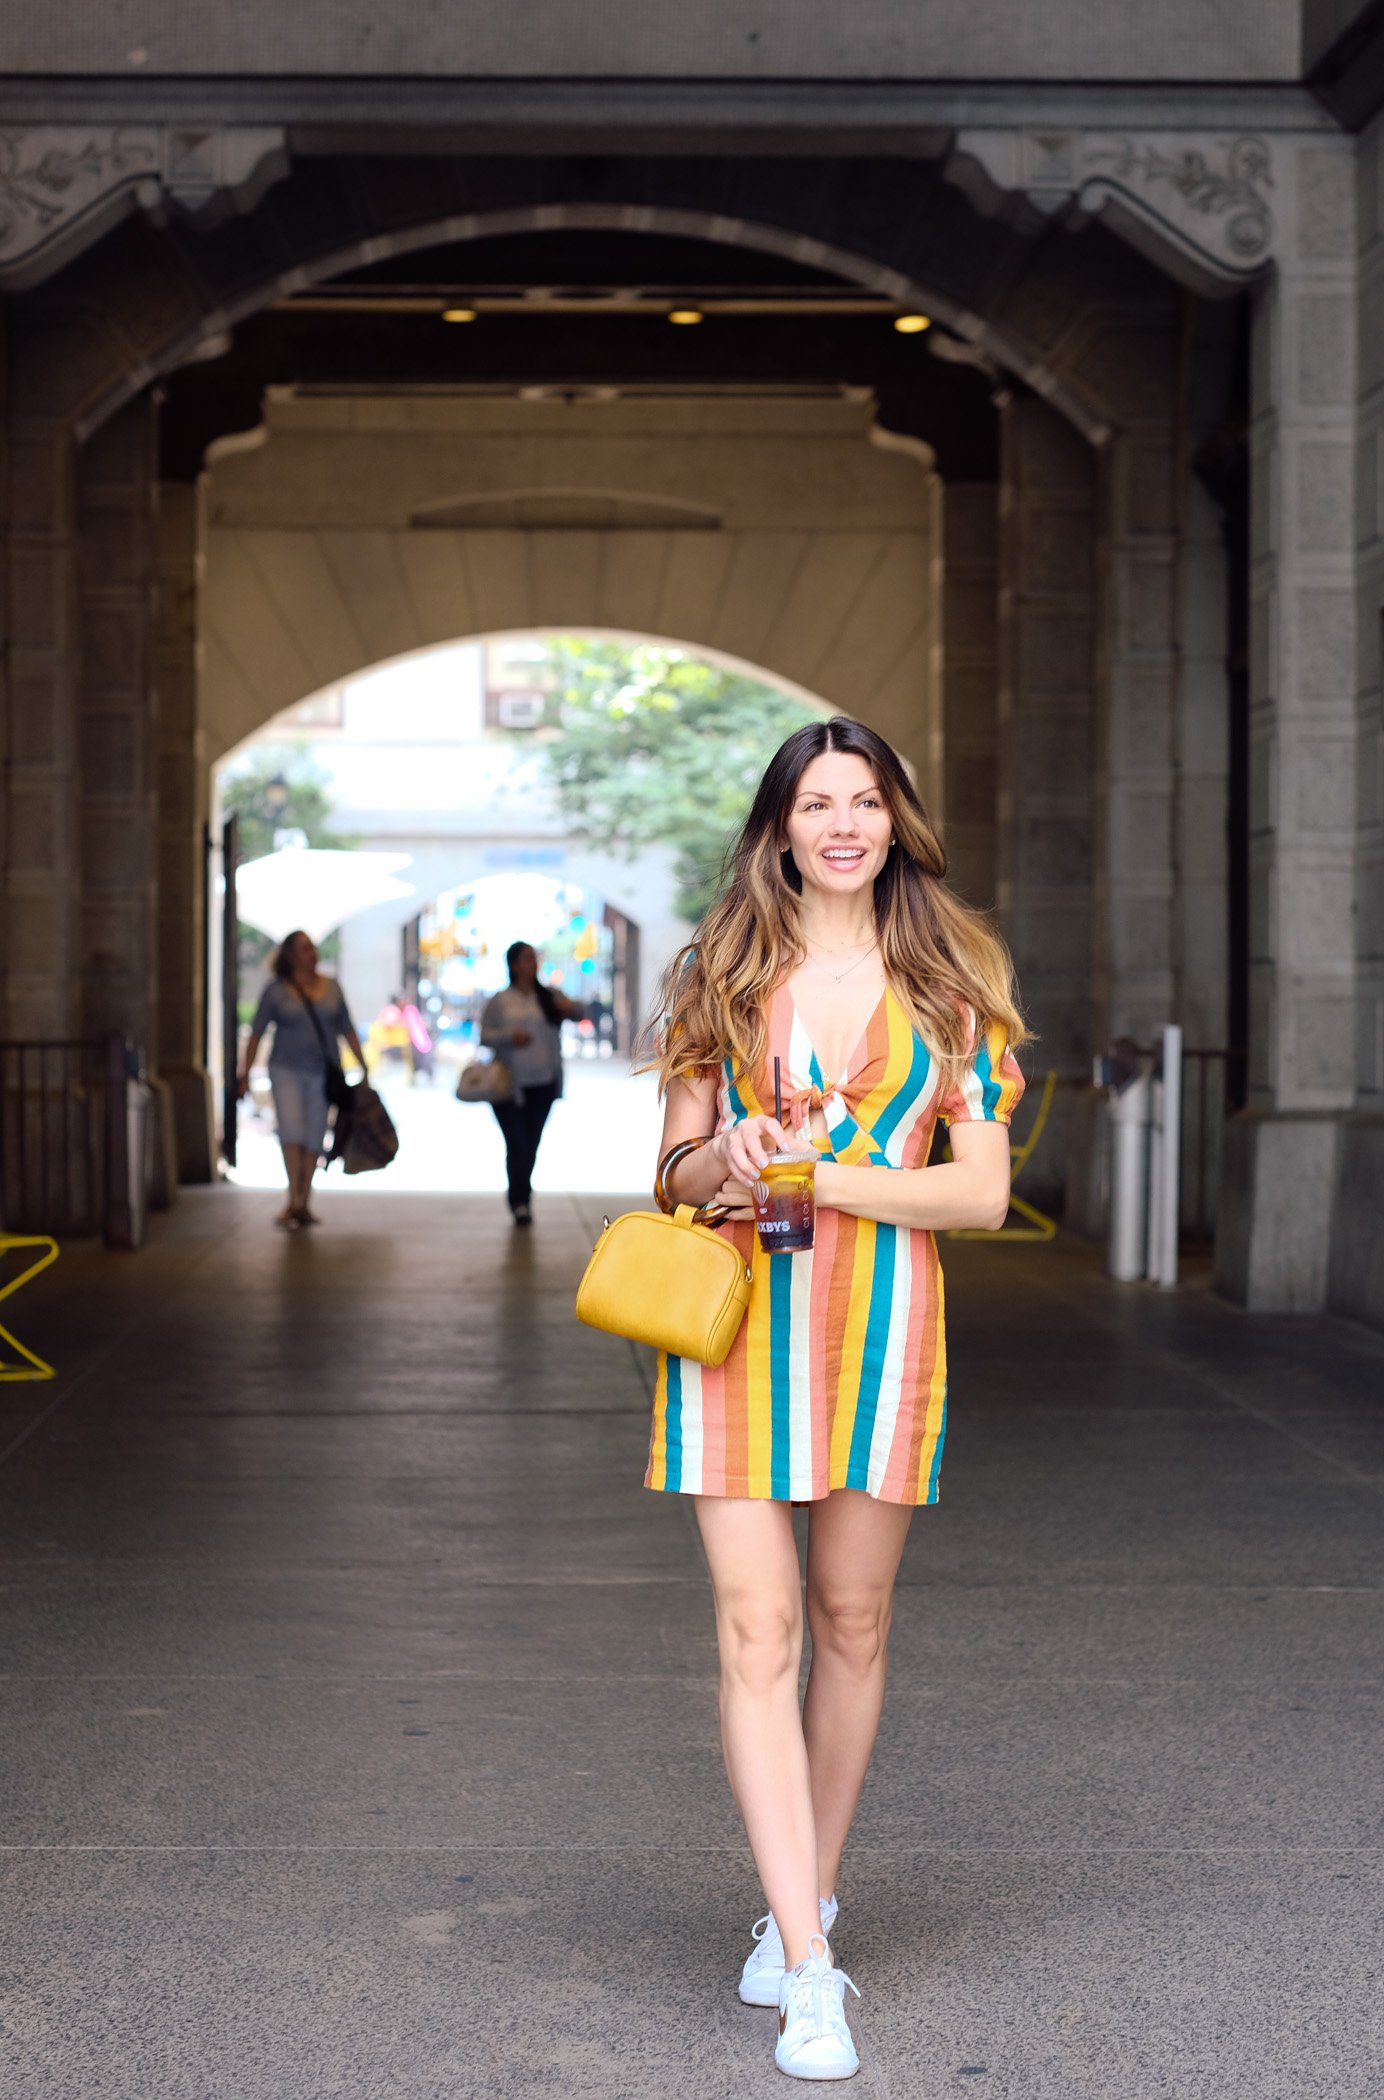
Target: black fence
{"x": 73, "y": 1139}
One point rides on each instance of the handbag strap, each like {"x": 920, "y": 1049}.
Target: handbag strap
{"x": 327, "y": 1057}
{"x": 704, "y": 1214}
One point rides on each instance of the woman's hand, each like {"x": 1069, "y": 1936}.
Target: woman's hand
{"x": 745, "y": 1147}
{"x": 736, "y": 1199}
{"x": 520, "y": 1038}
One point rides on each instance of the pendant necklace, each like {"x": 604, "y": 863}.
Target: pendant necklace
{"x": 832, "y": 974}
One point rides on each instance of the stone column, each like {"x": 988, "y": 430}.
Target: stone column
{"x": 1136, "y": 955}
{"x": 116, "y": 727}
{"x": 1045, "y": 729}
{"x": 1357, "y": 1249}
{"x": 184, "y": 801}
{"x": 115, "y": 717}
{"x": 38, "y": 821}
{"x": 1202, "y": 741}
{"x": 969, "y": 679}
{"x": 1162, "y": 923}
{"x": 1281, "y": 1154}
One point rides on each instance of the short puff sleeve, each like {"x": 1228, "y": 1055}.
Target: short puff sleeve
{"x": 267, "y": 1010}
{"x": 989, "y": 1089}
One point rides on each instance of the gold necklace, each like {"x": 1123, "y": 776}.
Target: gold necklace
{"x": 844, "y": 974}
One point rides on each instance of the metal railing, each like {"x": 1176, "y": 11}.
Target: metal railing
{"x": 73, "y": 1139}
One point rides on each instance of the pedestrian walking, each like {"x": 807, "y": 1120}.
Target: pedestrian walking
{"x": 309, "y": 1016}
{"x": 401, "y": 1038}
{"x": 522, "y": 1025}
{"x": 836, "y": 1003}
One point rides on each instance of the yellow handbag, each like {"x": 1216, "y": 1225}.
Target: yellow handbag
{"x": 666, "y": 1278}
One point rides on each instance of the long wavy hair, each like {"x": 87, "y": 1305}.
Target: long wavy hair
{"x": 942, "y": 959}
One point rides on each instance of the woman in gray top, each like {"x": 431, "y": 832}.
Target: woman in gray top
{"x": 308, "y": 1015}
{"x": 522, "y": 1025}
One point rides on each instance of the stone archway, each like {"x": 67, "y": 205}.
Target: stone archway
{"x": 787, "y": 541}
{"x": 1091, "y": 326}
{"x": 1096, "y": 342}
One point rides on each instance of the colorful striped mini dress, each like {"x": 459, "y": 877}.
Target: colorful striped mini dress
{"x": 838, "y": 1375}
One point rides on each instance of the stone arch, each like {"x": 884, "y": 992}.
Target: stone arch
{"x": 764, "y": 674}
{"x": 1090, "y": 324}
{"x": 1042, "y": 305}
{"x": 821, "y": 570}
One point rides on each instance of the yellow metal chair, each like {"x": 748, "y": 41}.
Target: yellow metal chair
{"x": 30, "y": 1366}
{"x": 1039, "y": 1225}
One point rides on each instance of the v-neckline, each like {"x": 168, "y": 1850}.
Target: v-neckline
{"x": 844, "y": 1073}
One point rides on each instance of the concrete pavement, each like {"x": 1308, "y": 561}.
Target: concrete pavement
{"x": 358, "y": 1718}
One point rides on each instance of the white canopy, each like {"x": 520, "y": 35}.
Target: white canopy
{"x": 315, "y": 889}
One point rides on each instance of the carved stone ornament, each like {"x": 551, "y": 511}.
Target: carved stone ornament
{"x": 1197, "y": 203}
{"x": 63, "y": 186}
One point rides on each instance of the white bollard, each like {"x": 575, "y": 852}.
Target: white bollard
{"x": 1129, "y": 1156}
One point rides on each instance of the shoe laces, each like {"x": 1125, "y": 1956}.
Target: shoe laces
{"x": 815, "y": 1992}
{"x": 766, "y": 1929}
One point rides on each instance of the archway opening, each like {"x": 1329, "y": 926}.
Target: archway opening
{"x": 575, "y": 791}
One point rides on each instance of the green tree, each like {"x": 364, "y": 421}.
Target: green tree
{"x": 653, "y": 747}
{"x": 278, "y": 790}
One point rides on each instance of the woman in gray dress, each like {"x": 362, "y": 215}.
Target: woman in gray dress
{"x": 308, "y": 1015}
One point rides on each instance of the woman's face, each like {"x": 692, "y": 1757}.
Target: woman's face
{"x": 523, "y": 970}
{"x": 839, "y": 827}
{"x": 302, "y": 957}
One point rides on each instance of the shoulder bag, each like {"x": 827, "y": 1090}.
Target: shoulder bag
{"x": 665, "y": 1278}
{"x": 485, "y": 1079}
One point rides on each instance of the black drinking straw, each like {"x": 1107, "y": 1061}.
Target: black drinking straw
{"x": 778, "y": 1091}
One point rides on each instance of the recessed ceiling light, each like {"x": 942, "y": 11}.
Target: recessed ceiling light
{"x": 458, "y": 313}
{"x": 911, "y": 324}
{"x": 685, "y": 316}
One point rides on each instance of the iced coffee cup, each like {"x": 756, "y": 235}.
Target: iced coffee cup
{"x": 784, "y": 1202}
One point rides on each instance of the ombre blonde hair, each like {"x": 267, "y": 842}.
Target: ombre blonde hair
{"x": 943, "y": 960}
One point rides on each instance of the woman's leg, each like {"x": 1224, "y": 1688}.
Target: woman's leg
{"x": 307, "y": 1167}
{"x": 754, "y": 1578}
{"x": 290, "y": 1153}
{"x": 507, "y": 1116}
{"x": 538, "y": 1103}
{"x": 854, "y": 1547}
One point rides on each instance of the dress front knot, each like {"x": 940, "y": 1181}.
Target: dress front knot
{"x": 800, "y": 1105}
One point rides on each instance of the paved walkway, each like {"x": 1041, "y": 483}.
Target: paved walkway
{"x": 358, "y": 1726}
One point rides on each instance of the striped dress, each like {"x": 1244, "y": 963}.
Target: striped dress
{"x": 838, "y": 1376}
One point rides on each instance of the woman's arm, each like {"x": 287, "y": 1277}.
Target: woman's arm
{"x": 347, "y": 1027}
{"x": 735, "y": 1155}
{"x": 242, "y": 1085}
{"x": 570, "y": 1009}
{"x": 264, "y": 1020}
{"x": 970, "y": 1190}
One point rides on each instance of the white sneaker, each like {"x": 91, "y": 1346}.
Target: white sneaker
{"x": 763, "y": 1971}
{"x": 814, "y": 2040}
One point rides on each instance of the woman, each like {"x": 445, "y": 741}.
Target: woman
{"x": 308, "y": 1014}
{"x": 523, "y": 1026}
{"x": 837, "y": 950}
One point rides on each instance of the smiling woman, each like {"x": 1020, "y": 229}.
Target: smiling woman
{"x": 836, "y": 1002}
